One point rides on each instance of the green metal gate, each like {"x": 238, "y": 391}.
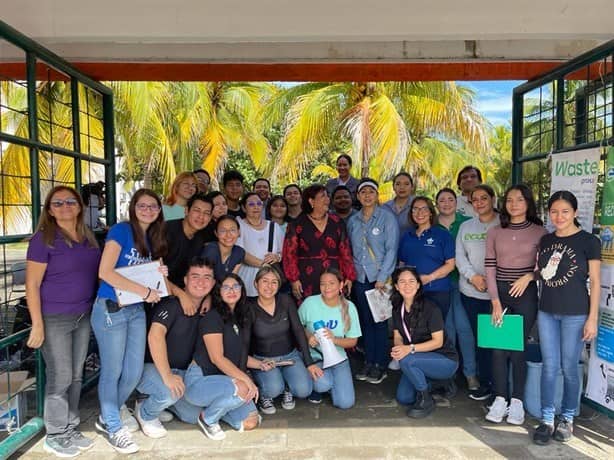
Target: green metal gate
{"x": 566, "y": 109}
{"x": 56, "y": 127}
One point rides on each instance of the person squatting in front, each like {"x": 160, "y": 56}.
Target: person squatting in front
{"x": 342, "y": 328}
{"x": 420, "y": 344}
{"x": 171, "y": 339}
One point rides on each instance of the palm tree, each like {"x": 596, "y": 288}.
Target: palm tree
{"x": 388, "y": 125}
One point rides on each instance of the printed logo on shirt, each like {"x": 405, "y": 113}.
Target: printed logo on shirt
{"x": 430, "y": 241}
{"x": 550, "y": 273}
{"x": 235, "y": 328}
{"x": 134, "y": 258}
{"x": 474, "y": 236}
{"x": 332, "y": 324}
{"x": 163, "y": 314}
{"x": 376, "y": 231}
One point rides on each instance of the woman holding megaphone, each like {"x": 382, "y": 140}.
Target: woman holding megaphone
{"x": 329, "y": 318}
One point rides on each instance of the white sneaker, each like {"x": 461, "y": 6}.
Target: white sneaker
{"x": 515, "y": 414}
{"x": 128, "y": 419}
{"x": 497, "y": 411}
{"x": 151, "y": 428}
{"x": 122, "y": 442}
{"x": 394, "y": 365}
{"x": 166, "y": 416}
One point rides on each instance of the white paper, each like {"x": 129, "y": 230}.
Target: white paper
{"x": 146, "y": 275}
{"x": 379, "y": 303}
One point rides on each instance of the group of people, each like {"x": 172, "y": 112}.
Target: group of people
{"x": 253, "y": 277}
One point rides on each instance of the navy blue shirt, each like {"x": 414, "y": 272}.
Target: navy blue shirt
{"x": 427, "y": 253}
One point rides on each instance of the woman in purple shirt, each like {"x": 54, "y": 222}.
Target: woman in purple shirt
{"x": 61, "y": 281}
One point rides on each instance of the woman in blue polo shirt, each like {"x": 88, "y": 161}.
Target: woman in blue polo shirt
{"x": 430, "y": 249}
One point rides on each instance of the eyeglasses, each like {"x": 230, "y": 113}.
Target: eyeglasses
{"x": 253, "y": 204}
{"x": 230, "y": 287}
{"x": 409, "y": 282}
{"x": 147, "y": 207}
{"x": 420, "y": 209}
{"x": 227, "y": 231}
{"x": 70, "y": 202}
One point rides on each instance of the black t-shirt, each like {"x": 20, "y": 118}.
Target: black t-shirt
{"x": 181, "y": 250}
{"x": 181, "y": 332}
{"x": 420, "y": 328}
{"x": 237, "y": 212}
{"x": 276, "y": 335}
{"x": 234, "y": 349}
{"x": 563, "y": 268}
{"x": 221, "y": 269}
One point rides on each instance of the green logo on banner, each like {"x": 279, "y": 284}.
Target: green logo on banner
{"x": 607, "y": 206}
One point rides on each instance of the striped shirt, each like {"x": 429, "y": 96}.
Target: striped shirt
{"x": 510, "y": 253}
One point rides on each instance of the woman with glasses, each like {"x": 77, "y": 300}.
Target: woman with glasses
{"x": 223, "y": 351}
{"x": 120, "y": 329}
{"x": 184, "y": 187}
{"x": 511, "y": 254}
{"x": 256, "y": 237}
{"x": 430, "y": 250}
{"x": 420, "y": 343}
{"x": 225, "y": 254}
{"x": 316, "y": 240}
{"x": 61, "y": 279}
{"x": 277, "y": 343}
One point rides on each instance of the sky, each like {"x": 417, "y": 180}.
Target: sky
{"x": 494, "y": 99}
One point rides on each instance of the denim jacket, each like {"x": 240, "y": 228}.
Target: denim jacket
{"x": 374, "y": 244}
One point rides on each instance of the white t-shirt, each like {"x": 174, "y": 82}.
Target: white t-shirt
{"x": 256, "y": 243}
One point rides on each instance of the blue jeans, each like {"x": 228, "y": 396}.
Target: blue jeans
{"x": 374, "y": 335}
{"x": 121, "y": 345}
{"x": 217, "y": 394}
{"x": 560, "y": 341}
{"x": 272, "y": 383}
{"x": 474, "y": 307}
{"x": 65, "y": 347}
{"x": 161, "y": 398}
{"x": 417, "y": 368}
{"x": 457, "y": 324}
{"x": 338, "y": 380}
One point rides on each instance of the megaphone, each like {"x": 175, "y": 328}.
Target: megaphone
{"x": 329, "y": 350}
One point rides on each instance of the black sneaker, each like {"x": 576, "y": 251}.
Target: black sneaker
{"x": 100, "y": 425}
{"x": 543, "y": 434}
{"x": 481, "y": 394}
{"x": 424, "y": 405}
{"x": 563, "y": 431}
{"x": 450, "y": 389}
{"x": 376, "y": 375}
{"x": 315, "y": 397}
{"x": 213, "y": 431}
{"x": 363, "y": 373}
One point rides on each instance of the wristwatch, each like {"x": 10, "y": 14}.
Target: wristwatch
{"x": 412, "y": 349}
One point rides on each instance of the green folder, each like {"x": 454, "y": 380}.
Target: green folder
{"x": 508, "y": 336}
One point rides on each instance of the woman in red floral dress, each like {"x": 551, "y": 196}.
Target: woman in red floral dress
{"x": 316, "y": 240}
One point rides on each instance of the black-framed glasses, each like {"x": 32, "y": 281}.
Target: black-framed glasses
{"x": 70, "y": 202}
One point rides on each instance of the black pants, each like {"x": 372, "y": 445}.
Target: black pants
{"x": 525, "y": 305}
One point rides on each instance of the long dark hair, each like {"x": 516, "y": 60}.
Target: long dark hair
{"x": 397, "y": 299}
{"x": 429, "y": 204}
{"x": 222, "y": 307}
{"x": 527, "y": 194}
{"x": 570, "y": 198}
{"x": 156, "y": 232}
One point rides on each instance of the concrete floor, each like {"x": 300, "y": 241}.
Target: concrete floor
{"x": 376, "y": 428}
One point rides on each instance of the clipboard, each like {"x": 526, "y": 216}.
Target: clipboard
{"x": 145, "y": 274}
{"x": 508, "y": 336}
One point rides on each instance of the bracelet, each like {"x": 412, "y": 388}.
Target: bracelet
{"x": 147, "y": 295}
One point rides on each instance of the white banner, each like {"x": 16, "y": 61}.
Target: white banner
{"x": 577, "y": 172}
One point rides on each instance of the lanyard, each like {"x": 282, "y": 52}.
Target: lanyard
{"x": 403, "y": 321}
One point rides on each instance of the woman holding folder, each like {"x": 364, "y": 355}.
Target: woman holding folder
{"x": 511, "y": 252}
{"x": 120, "y": 329}
{"x": 567, "y": 314}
